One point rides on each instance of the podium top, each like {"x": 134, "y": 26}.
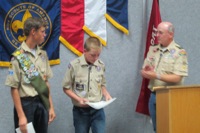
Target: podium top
{"x": 175, "y": 87}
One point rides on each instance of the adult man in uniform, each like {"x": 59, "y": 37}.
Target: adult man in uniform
{"x": 28, "y": 78}
{"x": 166, "y": 64}
{"x": 85, "y": 81}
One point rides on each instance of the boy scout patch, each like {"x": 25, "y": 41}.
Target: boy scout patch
{"x": 184, "y": 66}
{"x": 13, "y": 58}
{"x": 69, "y": 66}
{"x": 155, "y": 50}
{"x": 10, "y": 72}
{"x": 98, "y": 68}
{"x": 43, "y": 58}
{"x": 182, "y": 52}
{"x": 172, "y": 51}
{"x": 26, "y": 80}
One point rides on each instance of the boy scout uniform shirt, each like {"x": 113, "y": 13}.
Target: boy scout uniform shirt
{"x": 173, "y": 60}
{"x": 16, "y": 77}
{"x": 85, "y": 80}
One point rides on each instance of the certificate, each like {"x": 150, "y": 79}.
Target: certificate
{"x": 29, "y": 127}
{"x": 101, "y": 104}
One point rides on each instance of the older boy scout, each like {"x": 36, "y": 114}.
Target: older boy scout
{"x": 166, "y": 64}
{"x": 28, "y": 78}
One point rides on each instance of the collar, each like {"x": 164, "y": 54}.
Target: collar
{"x": 27, "y": 49}
{"x": 83, "y": 61}
{"x": 169, "y": 47}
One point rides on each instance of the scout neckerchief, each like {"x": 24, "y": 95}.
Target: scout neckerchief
{"x": 33, "y": 76}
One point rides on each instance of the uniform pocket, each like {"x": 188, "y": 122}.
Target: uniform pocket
{"x": 168, "y": 65}
{"x": 80, "y": 86}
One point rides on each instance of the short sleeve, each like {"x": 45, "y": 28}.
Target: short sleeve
{"x": 181, "y": 65}
{"x": 68, "y": 79}
{"x": 13, "y": 77}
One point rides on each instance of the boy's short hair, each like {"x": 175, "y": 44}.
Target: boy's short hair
{"x": 33, "y": 23}
{"x": 92, "y": 42}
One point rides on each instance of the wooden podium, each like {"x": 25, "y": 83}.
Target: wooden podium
{"x": 178, "y": 109}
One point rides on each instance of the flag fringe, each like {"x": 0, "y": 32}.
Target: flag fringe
{"x": 89, "y": 32}
{"x": 54, "y": 62}
{"x": 4, "y": 64}
{"x": 116, "y": 24}
{"x": 69, "y": 46}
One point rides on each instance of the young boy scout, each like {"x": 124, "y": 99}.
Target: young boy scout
{"x": 85, "y": 81}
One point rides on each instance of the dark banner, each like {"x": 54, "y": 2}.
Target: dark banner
{"x": 12, "y": 17}
{"x": 155, "y": 19}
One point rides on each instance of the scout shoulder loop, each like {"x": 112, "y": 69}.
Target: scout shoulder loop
{"x": 33, "y": 76}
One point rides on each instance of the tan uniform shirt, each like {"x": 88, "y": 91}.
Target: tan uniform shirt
{"x": 85, "y": 80}
{"x": 16, "y": 77}
{"x": 171, "y": 60}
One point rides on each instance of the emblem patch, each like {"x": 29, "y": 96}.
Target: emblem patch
{"x": 15, "y": 18}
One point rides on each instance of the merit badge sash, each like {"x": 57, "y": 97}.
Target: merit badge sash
{"x": 33, "y": 76}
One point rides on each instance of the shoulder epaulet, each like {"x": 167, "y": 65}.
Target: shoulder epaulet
{"x": 75, "y": 61}
{"x": 101, "y": 62}
{"x": 155, "y": 45}
{"x": 178, "y": 46}
{"x": 154, "y": 48}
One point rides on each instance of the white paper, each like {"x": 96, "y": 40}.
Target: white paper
{"x": 101, "y": 104}
{"x": 29, "y": 127}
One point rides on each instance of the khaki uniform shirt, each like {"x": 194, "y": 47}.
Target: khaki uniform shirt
{"x": 85, "y": 80}
{"x": 171, "y": 60}
{"x": 16, "y": 77}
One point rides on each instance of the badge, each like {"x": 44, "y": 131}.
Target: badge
{"x": 69, "y": 66}
{"x": 155, "y": 50}
{"x": 79, "y": 86}
{"x": 26, "y": 80}
{"x": 36, "y": 73}
{"x": 17, "y": 53}
{"x": 98, "y": 68}
{"x": 25, "y": 68}
{"x": 18, "y": 57}
{"x": 43, "y": 58}
{"x": 30, "y": 75}
{"x": 172, "y": 51}
{"x": 10, "y": 72}
{"x": 182, "y": 52}
{"x": 12, "y": 59}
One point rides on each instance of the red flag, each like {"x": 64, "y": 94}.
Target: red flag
{"x": 155, "y": 19}
{"x": 72, "y": 22}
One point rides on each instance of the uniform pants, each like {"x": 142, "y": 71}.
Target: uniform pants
{"x": 35, "y": 112}
{"x": 152, "y": 109}
{"x": 86, "y": 118}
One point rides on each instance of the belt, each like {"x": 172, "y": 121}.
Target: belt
{"x": 83, "y": 108}
{"x": 153, "y": 92}
{"x": 30, "y": 98}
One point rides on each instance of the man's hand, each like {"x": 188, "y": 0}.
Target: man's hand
{"x": 148, "y": 74}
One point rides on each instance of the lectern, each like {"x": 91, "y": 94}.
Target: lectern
{"x": 178, "y": 109}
